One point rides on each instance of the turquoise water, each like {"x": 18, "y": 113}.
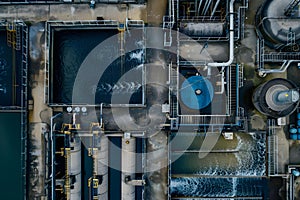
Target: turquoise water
{"x": 10, "y": 156}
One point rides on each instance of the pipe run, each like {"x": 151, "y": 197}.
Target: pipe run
{"x": 215, "y": 8}
{"x": 222, "y": 83}
{"x": 207, "y": 7}
{"x": 283, "y": 68}
{"x": 231, "y": 39}
{"x": 74, "y": 119}
{"x": 199, "y": 7}
{"x": 52, "y": 156}
{"x": 101, "y": 115}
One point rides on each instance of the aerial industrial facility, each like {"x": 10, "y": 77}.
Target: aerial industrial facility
{"x": 150, "y": 99}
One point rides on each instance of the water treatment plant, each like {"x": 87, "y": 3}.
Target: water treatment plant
{"x": 150, "y": 99}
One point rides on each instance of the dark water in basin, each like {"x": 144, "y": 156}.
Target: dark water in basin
{"x": 7, "y": 55}
{"x": 71, "y": 47}
{"x": 10, "y": 156}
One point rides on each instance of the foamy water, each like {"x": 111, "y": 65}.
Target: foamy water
{"x": 248, "y": 161}
{"x": 118, "y": 88}
{"x": 216, "y": 187}
{"x": 72, "y": 47}
{"x": 139, "y": 56}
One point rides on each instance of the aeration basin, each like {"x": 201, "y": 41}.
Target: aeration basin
{"x": 92, "y": 62}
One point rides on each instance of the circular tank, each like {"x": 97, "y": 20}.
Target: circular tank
{"x": 276, "y": 98}
{"x": 196, "y": 92}
{"x": 274, "y": 26}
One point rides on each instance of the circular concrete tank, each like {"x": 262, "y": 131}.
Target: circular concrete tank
{"x": 275, "y": 27}
{"x": 276, "y": 98}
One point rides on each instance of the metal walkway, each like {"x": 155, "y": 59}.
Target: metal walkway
{"x": 279, "y": 57}
{"x": 286, "y": 58}
{"x": 173, "y": 89}
{"x": 24, "y": 104}
{"x": 169, "y": 21}
{"x": 272, "y": 149}
{"x": 290, "y": 9}
{"x": 204, "y": 120}
{"x": 233, "y": 89}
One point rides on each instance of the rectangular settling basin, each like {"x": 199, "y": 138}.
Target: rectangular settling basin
{"x": 89, "y": 63}
{"x": 11, "y": 65}
{"x": 12, "y": 185}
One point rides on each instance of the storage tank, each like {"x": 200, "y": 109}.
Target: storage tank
{"x": 196, "y": 92}
{"x": 128, "y": 167}
{"x": 276, "y": 98}
{"x": 102, "y": 168}
{"x": 198, "y": 29}
{"x": 298, "y": 115}
{"x": 276, "y": 29}
{"x": 75, "y": 168}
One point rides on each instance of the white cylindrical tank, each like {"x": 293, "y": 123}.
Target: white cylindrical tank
{"x": 75, "y": 192}
{"x": 102, "y": 168}
{"x": 103, "y": 188}
{"x": 202, "y": 29}
{"x": 128, "y": 167}
{"x": 75, "y": 167}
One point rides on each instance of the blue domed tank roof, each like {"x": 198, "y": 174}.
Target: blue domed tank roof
{"x": 196, "y": 92}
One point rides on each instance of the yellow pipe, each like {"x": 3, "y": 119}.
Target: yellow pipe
{"x": 67, "y": 176}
